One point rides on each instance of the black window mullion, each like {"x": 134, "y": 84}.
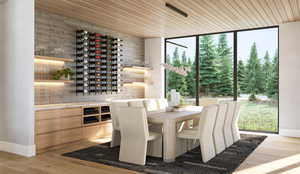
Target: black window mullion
{"x": 197, "y": 70}
{"x": 235, "y": 83}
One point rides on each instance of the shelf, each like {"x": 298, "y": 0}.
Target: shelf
{"x": 54, "y": 59}
{"x": 104, "y": 113}
{"x": 91, "y": 115}
{"x": 139, "y": 84}
{"x": 53, "y": 81}
{"x": 97, "y": 123}
{"x": 136, "y": 69}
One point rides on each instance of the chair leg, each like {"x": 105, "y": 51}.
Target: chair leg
{"x": 115, "y": 138}
{"x": 235, "y": 133}
{"x": 133, "y": 151}
{"x": 155, "y": 147}
{"x": 207, "y": 149}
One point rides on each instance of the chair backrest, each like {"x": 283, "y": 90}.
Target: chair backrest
{"x": 207, "y": 120}
{"x": 115, "y": 114}
{"x": 136, "y": 103}
{"x": 133, "y": 124}
{"x": 162, "y": 103}
{"x": 228, "y": 122}
{"x": 218, "y": 133}
{"x": 151, "y": 105}
{"x": 234, "y": 125}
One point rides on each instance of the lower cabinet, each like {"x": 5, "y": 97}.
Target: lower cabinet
{"x": 93, "y": 132}
{"x": 56, "y": 138}
{"x": 61, "y": 126}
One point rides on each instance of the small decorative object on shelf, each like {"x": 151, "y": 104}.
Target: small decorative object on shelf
{"x": 66, "y": 73}
{"x": 97, "y": 63}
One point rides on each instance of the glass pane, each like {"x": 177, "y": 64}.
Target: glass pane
{"x": 258, "y": 79}
{"x": 180, "y": 54}
{"x": 216, "y": 68}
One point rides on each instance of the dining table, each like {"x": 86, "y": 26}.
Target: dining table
{"x": 169, "y": 122}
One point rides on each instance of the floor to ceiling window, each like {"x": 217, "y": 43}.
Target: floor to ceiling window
{"x": 215, "y": 68}
{"x": 180, "y": 53}
{"x": 257, "y": 55}
{"x": 238, "y": 65}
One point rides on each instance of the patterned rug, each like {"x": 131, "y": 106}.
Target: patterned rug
{"x": 188, "y": 163}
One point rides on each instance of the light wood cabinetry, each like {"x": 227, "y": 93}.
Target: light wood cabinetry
{"x": 60, "y": 126}
{"x": 92, "y": 132}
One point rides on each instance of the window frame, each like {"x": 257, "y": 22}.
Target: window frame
{"x": 235, "y": 62}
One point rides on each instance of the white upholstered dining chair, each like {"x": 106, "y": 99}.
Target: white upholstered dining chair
{"x": 234, "y": 124}
{"x": 136, "y": 103}
{"x": 218, "y": 134}
{"x": 114, "y": 109}
{"x": 204, "y": 132}
{"x": 227, "y": 129}
{"x": 135, "y": 135}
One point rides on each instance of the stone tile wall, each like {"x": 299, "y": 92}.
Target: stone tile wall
{"x": 55, "y": 36}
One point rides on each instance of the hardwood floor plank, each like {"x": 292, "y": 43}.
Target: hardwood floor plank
{"x": 275, "y": 155}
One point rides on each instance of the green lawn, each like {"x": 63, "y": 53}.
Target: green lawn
{"x": 258, "y": 116}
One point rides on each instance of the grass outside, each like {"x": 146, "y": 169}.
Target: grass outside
{"x": 254, "y": 116}
{"x": 258, "y": 116}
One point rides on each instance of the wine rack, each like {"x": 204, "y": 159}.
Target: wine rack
{"x": 98, "y": 60}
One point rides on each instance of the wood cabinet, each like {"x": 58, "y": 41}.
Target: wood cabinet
{"x": 60, "y": 126}
{"x": 92, "y": 132}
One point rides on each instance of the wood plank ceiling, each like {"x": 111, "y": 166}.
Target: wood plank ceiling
{"x": 150, "y": 18}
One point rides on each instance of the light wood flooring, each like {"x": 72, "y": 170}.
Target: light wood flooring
{"x": 275, "y": 155}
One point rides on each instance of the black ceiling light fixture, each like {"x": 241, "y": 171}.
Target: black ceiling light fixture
{"x": 177, "y": 10}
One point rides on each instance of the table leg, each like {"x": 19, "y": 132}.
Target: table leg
{"x": 169, "y": 133}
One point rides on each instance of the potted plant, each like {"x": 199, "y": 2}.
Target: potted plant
{"x": 67, "y": 73}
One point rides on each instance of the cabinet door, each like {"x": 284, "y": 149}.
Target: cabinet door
{"x": 71, "y": 122}
{"x": 94, "y": 132}
{"x": 44, "y": 126}
{"x": 69, "y": 112}
{"x": 48, "y": 114}
{"x": 47, "y": 140}
{"x": 71, "y": 135}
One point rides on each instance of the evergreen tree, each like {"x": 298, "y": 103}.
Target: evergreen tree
{"x": 208, "y": 70}
{"x": 190, "y": 79}
{"x": 241, "y": 77}
{"x": 224, "y": 66}
{"x": 184, "y": 58}
{"x": 267, "y": 70}
{"x": 168, "y": 61}
{"x": 254, "y": 73}
{"x": 177, "y": 81}
{"x": 272, "y": 87}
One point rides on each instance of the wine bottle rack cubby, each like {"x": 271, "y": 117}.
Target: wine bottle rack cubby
{"x": 98, "y": 60}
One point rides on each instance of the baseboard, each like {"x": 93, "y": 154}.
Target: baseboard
{"x": 289, "y": 132}
{"x": 27, "y": 151}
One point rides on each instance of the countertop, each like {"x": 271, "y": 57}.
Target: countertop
{"x": 67, "y": 105}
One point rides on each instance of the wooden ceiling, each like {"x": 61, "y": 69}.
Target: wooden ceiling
{"x": 150, "y": 18}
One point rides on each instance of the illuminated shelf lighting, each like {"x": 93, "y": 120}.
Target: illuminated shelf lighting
{"x": 51, "y": 60}
{"x": 136, "y": 69}
{"x": 51, "y": 82}
{"x": 138, "y": 84}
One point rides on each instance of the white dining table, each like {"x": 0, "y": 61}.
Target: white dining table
{"x": 169, "y": 122}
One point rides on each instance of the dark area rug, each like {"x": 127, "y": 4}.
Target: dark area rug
{"x": 188, "y": 163}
